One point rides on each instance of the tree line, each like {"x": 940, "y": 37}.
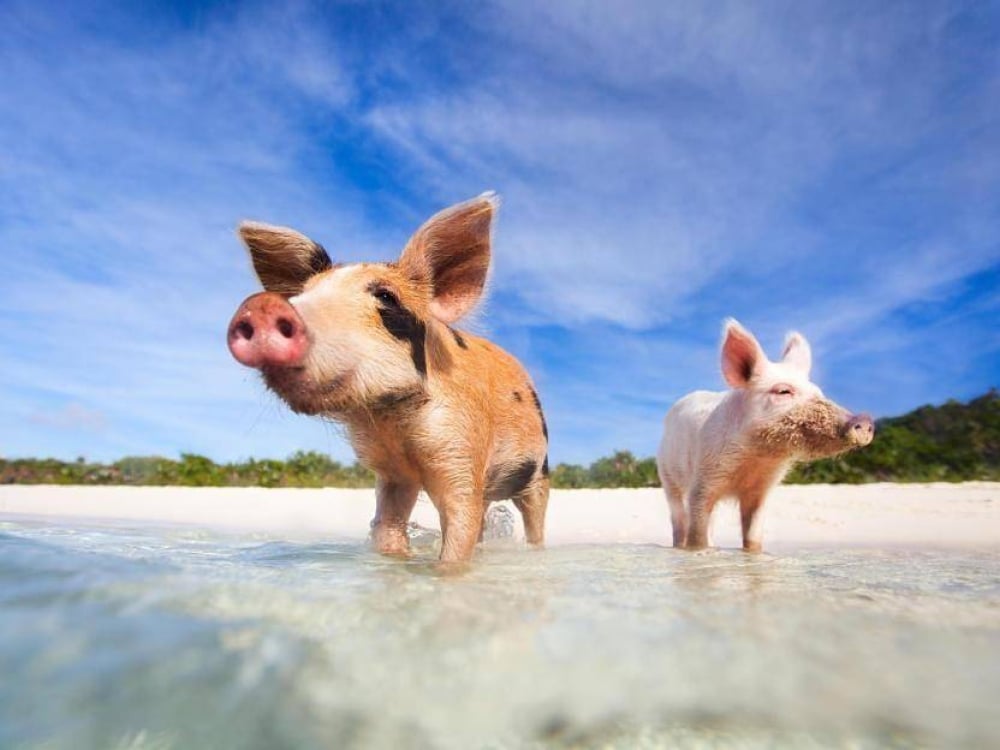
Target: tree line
{"x": 948, "y": 443}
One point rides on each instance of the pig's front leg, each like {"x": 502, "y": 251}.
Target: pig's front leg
{"x": 394, "y": 504}
{"x": 461, "y": 525}
{"x": 701, "y": 500}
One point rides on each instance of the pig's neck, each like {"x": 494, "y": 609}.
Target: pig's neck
{"x": 742, "y": 435}
{"x": 381, "y": 433}
{"x": 733, "y": 412}
{"x": 742, "y": 468}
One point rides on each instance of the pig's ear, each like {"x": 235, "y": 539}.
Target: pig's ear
{"x": 451, "y": 254}
{"x": 742, "y": 357}
{"x": 797, "y": 352}
{"x": 282, "y": 258}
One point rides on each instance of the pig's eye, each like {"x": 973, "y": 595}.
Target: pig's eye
{"x": 783, "y": 390}
{"x": 386, "y": 297}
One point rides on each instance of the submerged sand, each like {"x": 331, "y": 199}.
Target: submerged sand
{"x": 919, "y": 515}
{"x": 259, "y": 619}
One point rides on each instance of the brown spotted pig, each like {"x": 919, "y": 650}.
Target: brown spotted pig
{"x": 740, "y": 443}
{"x": 372, "y": 345}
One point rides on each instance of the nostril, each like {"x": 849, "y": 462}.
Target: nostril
{"x": 244, "y": 329}
{"x": 286, "y": 327}
{"x": 863, "y": 428}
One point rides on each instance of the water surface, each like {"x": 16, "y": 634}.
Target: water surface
{"x": 144, "y": 637}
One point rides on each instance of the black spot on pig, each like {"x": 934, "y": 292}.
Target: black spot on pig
{"x": 545, "y": 466}
{"x": 459, "y": 339}
{"x": 319, "y": 261}
{"x": 517, "y": 396}
{"x": 538, "y": 405}
{"x": 404, "y": 325}
{"x": 401, "y": 399}
{"x": 509, "y": 480}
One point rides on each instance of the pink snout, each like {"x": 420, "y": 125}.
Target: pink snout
{"x": 860, "y": 429}
{"x": 266, "y": 331}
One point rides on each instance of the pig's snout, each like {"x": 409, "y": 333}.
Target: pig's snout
{"x": 266, "y": 331}
{"x": 860, "y": 429}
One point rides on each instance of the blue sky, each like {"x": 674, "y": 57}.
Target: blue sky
{"x": 829, "y": 167}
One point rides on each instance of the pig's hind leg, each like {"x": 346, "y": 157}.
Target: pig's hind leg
{"x": 532, "y": 502}
{"x": 700, "y": 502}
{"x": 678, "y": 516}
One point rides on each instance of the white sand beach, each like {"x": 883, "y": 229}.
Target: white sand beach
{"x": 918, "y": 515}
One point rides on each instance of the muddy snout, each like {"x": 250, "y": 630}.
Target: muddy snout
{"x": 859, "y": 430}
{"x": 266, "y": 331}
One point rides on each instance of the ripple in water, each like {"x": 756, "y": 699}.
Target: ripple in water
{"x": 172, "y": 638}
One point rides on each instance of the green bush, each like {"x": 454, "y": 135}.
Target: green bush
{"x": 953, "y": 442}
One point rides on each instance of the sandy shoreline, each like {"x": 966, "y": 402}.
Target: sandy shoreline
{"x": 919, "y": 515}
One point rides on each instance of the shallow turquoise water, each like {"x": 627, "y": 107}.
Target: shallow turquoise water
{"x": 171, "y": 638}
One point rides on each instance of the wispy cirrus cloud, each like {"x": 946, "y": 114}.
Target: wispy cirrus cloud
{"x": 651, "y": 150}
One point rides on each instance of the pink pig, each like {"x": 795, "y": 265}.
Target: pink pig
{"x": 740, "y": 443}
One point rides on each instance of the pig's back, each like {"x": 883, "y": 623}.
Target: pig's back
{"x": 681, "y": 446}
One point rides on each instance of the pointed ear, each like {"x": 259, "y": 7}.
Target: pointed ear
{"x": 451, "y": 254}
{"x": 282, "y": 258}
{"x": 742, "y": 357}
{"x": 797, "y": 352}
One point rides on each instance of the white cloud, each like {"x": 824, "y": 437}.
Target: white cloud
{"x": 642, "y": 149}
{"x": 128, "y": 167}
{"x": 661, "y": 165}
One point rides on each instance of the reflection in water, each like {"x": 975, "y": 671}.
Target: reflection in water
{"x": 175, "y": 639}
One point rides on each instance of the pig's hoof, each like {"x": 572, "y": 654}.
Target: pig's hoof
{"x": 452, "y": 567}
{"x": 390, "y": 543}
{"x": 393, "y": 550}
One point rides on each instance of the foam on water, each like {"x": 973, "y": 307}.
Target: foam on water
{"x": 172, "y": 638}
